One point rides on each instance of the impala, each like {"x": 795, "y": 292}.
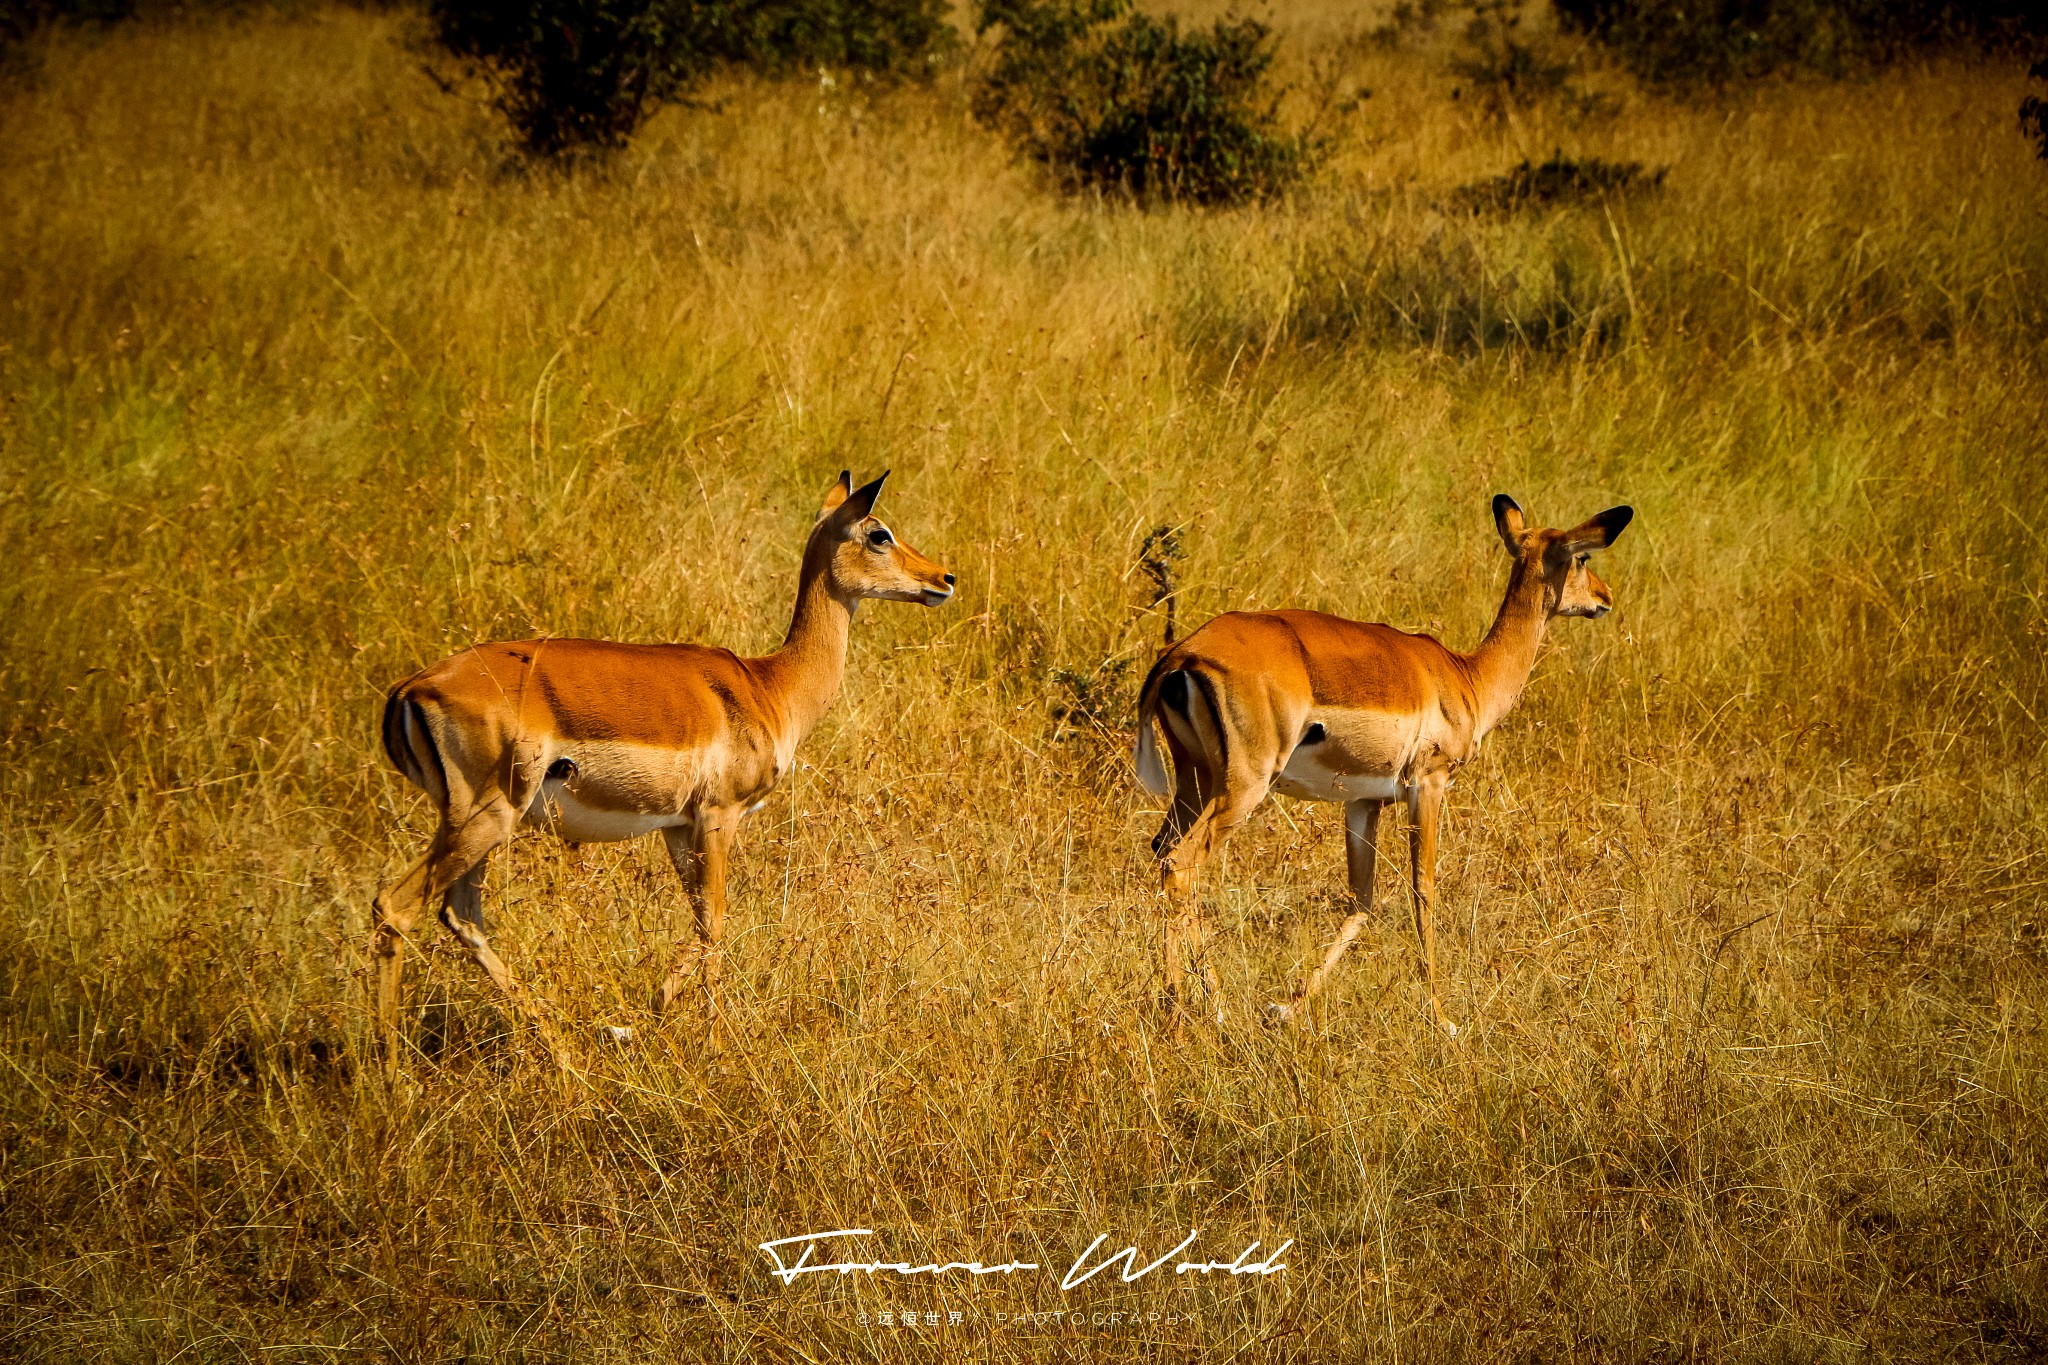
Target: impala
{"x": 597, "y": 741}
{"x": 1325, "y": 709}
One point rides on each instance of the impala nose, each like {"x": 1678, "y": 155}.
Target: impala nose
{"x": 949, "y": 580}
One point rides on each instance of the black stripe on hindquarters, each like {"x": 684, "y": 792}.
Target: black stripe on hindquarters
{"x": 1173, "y": 690}
{"x": 394, "y": 730}
{"x": 402, "y": 712}
{"x": 1159, "y": 666}
{"x": 1208, "y": 689}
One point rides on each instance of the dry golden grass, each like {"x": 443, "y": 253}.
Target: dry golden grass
{"x": 304, "y": 387}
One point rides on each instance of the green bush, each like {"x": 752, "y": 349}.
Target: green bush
{"x": 1694, "y": 42}
{"x": 22, "y": 19}
{"x": 881, "y": 37}
{"x": 1504, "y": 69}
{"x": 574, "y": 73}
{"x": 1560, "y": 180}
{"x": 2034, "y": 112}
{"x": 583, "y": 74}
{"x": 1106, "y": 95}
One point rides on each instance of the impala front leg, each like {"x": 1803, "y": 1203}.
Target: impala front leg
{"x": 462, "y": 913}
{"x": 1361, "y": 857}
{"x": 1429, "y": 802}
{"x": 700, "y": 859}
{"x": 712, "y": 849}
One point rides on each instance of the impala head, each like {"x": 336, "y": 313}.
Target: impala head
{"x": 1570, "y": 587}
{"x": 864, "y": 558}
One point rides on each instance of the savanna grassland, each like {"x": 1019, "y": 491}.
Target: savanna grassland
{"x": 307, "y": 383}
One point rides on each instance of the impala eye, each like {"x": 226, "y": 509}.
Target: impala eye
{"x": 879, "y": 537}
{"x": 1581, "y": 560}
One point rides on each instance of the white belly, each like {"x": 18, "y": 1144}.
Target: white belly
{"x": 1307, "y": 780}
{"x": 555, "y": 810}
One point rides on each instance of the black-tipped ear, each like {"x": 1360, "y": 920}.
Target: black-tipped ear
{"x": 1599, "y": 532}
{"x": 860, "y": 503}
{"x": 836, "y": 494}
{"x": 1507, "y": 519}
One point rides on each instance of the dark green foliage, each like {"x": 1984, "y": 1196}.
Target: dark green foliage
{"x": 1503, "y": 67}
{"x": 20, "y": 19}
{"x": 1694, "y": 42}
{"x": 1560, "y": 180}
{"x": 1161, "y": 554}
{"x": 882, "y": 37}
{"x": 24, "y": 16}
{"x": 1408, "y": 18}
{"x": 1445, "y": 294}
{"x": 2034, "y": 112}
{"x": 573, "y": 74}
{"x": 1106, "y": 95}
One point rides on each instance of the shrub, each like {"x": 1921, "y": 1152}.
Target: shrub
{"x": 574, "y": 74}
{"x": 1366, "y": 280}
{"x": 1504, "y": 69}
{"x": 1453, "y": 293}
{"x": 22, "y": 19}
{"x": 881, "y": 37}
{"x": 1691, "y": 42}
{"x": 1408, "y": 19}
{"x": 1106, "y": 95}
{"x": 2034, "y": 112}
{"x": 1560, "y": 180}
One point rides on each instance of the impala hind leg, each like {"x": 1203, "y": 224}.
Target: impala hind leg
{"x": 1180, "y": 893}
{"x": 394, "y": 912}
{"x": 1186, "y": 807}
{"x": 1361, "y": 857}
{"x": 457, "y": 848}
{"x": 1179, "y": 884}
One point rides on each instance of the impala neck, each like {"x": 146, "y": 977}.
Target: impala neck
{"x": 808, "y": 668}
{"x": 1501, "y": 664}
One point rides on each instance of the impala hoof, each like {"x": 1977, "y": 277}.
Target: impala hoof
{"x": 616, "y": 1033}
{"x": 1279, "y": 1015}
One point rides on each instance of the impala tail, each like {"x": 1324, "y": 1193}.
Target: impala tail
{"x": 409, "y": 744}
{"x": 1184, "y": 700}
{"x": 1151, "y": 770}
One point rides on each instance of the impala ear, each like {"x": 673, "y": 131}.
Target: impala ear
{"x": 860, "y": 503}
{"x": 1599, "y": 532}
{"x": 836, "y": 494}
{"x": 1507, "y": 519}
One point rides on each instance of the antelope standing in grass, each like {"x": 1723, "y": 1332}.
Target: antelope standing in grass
{"x": 597, "y": 741}
{"x": 1325, "y": 709}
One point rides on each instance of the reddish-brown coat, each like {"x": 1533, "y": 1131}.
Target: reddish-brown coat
{"x": 1325, "y": 708}
{"x": 600, "y": 740}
